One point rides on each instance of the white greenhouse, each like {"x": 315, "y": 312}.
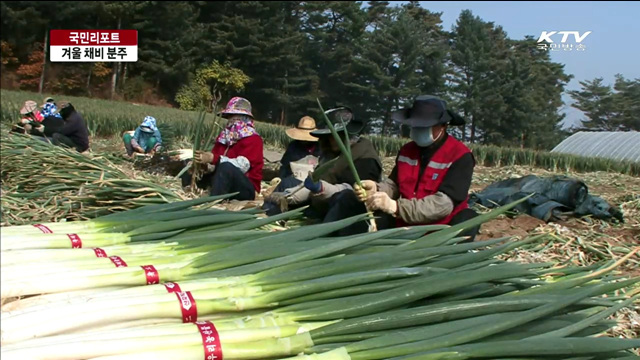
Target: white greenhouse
{"x": 616, "y": 145}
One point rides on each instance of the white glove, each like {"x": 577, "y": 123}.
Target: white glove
{"x": 297, "y": 195}
{"x": 368, "y": 188}
{"x": 40, "y": 128}
{"x": 240, "y": 162}
{"x": 382, "y": 201}
{"x": 25, "y": 121}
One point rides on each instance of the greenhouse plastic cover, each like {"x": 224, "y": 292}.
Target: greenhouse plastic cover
{"x": 621, "y": 145}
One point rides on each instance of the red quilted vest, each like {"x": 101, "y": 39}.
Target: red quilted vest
{"x": 408, "y": 164}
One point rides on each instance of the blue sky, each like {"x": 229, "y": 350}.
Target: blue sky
{"x": 612, "y": 47}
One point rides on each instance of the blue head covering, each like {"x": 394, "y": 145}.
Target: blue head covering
{"x": 150, "y": 122}
{"x": 50, "y": 109}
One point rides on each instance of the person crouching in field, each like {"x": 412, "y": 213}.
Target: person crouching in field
{"x": 74, "y": 133}
{"x": 30, "y": 118}
{"x": 39, "y": 124}
{"x": 432, "y": 175}
{"x": 145, "y": 139}
{"x": 235, "y": 163}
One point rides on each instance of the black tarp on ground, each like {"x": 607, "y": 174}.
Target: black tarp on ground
{"x": 552, "y": 197}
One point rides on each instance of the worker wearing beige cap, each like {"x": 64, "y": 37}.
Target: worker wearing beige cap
{"x": 30, "y": 119}
{"x": 301, "y": 156}
{"x": 303, "y": 146}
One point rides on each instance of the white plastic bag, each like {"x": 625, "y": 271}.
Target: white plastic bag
{"x": 302, "y": 167}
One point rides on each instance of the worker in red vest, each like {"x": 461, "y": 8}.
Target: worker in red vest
{"x": 432, "y": 175}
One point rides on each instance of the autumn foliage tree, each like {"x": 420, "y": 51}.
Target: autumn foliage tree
{"x": 29, "y": 73}
{"x": 7, "y": 55}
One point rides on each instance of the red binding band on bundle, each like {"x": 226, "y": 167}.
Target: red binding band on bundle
{"x": 117, "y": 261}
{"x": 152, "y": 274}
{"x": 210, "y": 340}
{"x": 172, "y": 287}
{"x": 100, "y": 253}
{"x": 76, "y": 242}
{"x": 188, "y": 306}
{"x": 43, "y": 228}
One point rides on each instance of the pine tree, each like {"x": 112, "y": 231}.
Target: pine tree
{"x": 627, "y": 101}
{"x": 597, "y": 102}
{"x": 334, "y": 30}
{"x": 167, "y": 37}
{"x": 471, "y": 57}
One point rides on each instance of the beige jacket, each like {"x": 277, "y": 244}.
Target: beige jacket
{"x": 418, "y": 211}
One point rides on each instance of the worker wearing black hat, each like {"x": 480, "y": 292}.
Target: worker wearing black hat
{"x": 335, "y": 185}
{"x": 432, "y": 175}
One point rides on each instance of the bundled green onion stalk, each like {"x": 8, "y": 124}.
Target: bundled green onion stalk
{"x": 201, "y": 143}
{"x": 74, "y": 185}
{"x": 226, "y": 289}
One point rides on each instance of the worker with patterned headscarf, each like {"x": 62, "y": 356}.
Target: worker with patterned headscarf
{"x": 235, "y": 163}
{"x": 49, "y": 108}
{"x": 146, "y": 139}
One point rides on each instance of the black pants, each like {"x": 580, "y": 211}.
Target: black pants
{"x": 224, "y": 180}
{"x": 346, "y": 204}
{"x": 59, "y": 139}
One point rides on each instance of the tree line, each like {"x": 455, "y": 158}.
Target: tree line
{"x": 283, "y": 55}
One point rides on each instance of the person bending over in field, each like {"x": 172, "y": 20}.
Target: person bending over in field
{"x": 432, "y": 175}
{"x": 235, "y": 163}
{"x": 145, "y": 139}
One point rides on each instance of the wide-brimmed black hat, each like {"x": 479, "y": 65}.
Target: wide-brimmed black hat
{"x": 427, "y": 111}
{"x": 340, "y": 117}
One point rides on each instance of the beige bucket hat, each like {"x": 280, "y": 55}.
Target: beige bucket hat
{"x": 303, "y": 130}
{"x": 29, "y": 106}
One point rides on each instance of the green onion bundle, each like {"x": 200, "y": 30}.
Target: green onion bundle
{"x": 216, "y": 285}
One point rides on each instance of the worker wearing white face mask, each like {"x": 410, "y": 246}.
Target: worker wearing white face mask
{"x": 432, "y": 175}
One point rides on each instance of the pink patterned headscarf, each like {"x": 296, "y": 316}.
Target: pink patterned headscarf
{"x": 236, "y": 131}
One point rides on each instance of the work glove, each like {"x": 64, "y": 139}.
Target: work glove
{"x": 368, "y": 187}
{"x": 280, "y": 199}
{"x": 27, "y": 127}
{"x": 381, "y": 201}
{"x": 276, "y": 197}
{"x": 201, "y": 157}
{"x": 314, "y": 187}
{"x": 25, "y": 121}
{"x": 40, "y": 129}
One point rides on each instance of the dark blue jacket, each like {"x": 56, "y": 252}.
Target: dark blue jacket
{"x": 296, "y": 151}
